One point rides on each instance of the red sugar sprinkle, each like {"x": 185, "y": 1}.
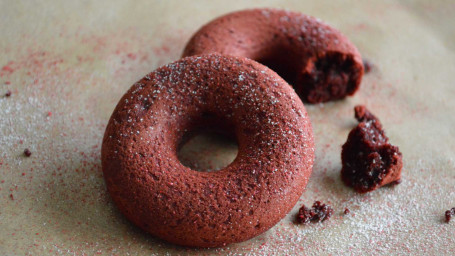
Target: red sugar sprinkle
{"x": 131, "y": 56}
{"x": 49, "y": 114}
{"x": 11, "y": 196}
{"x": 8, "y": 69}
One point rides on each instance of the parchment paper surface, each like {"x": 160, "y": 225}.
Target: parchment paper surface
{"x": 67, "y": 63}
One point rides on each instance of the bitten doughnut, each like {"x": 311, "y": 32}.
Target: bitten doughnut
{"x": 319, "y": 61}
{"x": 206, "y": 209}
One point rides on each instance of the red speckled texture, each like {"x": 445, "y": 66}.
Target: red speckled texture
{"x": 319, "y": 61}
{"x": 207, "y": 209}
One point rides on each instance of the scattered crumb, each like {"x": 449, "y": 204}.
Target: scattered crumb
{"x": 367, "y": 66}
{"x": 449, "y": 214}
{"x": 8, "y": 93}
{"x": 346, "y": 211}
{"x": 27, "y": 152}
{"x": 318, "y": 213}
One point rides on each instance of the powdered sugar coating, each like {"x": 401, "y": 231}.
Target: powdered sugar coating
{"x": 155, "y": 191}
{"x": 319, "y": 61}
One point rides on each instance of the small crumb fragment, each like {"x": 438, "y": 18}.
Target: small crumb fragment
{"x": 367, "y": 66}
{"x": 318, "y": 213}
{"x": 27, "y": 152}
{"x": 449, "y": 214}
{"x": 346, "y": 211}
{"x": 362, "y": 114}
{"x": 8, "y": 93}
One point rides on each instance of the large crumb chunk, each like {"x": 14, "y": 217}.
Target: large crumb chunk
{"x": 369, "y": 160}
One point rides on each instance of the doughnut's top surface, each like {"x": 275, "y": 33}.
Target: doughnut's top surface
{"x": 319, "y": 61}
{"x": 156, "y": 192}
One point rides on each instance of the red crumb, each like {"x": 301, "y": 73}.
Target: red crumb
{"x": 318, "y": 213}
{"x": 27, "y": 152}
{"x": 11, "y": 196}
{"x": 362, "y": 114}
{"x": 49, "y": 114}
{"x": 7, "y": 82}
{"x": 449, "y": 214}
{"x": 346, "y": 211}
{"x": 369, "y": 160}
{"x": 367, "y": 66}
{"x": 8, "y": 93}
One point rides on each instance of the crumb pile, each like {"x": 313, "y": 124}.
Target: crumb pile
{"x": 319, "y": 212}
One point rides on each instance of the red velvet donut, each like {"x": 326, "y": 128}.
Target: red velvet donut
{"x": 320, "y": 62}
{"x": 206, "y": 209}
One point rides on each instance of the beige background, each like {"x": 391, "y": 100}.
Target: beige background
{"x": 75, "y": 59}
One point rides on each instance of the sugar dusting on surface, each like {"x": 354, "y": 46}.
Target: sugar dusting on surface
{"x": 60, "y": 205}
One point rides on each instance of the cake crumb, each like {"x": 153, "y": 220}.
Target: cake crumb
{"x": 367, "y": 66}
{"x": 27, "y": 152}
{"x": 346, "y": 211}
{"x": 319, "y": 212}
{"x": 8, "y": 93}
{"x": 449, "y": 214}
{"x": 369, "y": 161}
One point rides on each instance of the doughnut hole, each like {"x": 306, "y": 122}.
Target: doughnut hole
{"x": 329, "y": 77}
{"x": 208, "y": 146}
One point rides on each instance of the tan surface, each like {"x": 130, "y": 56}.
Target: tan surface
{"x": 76, "y": 58}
